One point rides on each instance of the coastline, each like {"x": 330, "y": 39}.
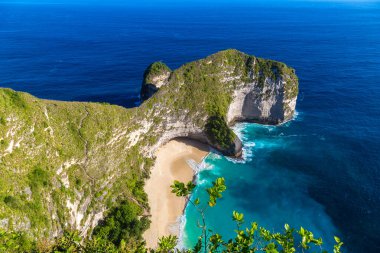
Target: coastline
{"x": 171, "y": 164}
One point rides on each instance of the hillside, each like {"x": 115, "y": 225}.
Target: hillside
{"x": 63, "y": 165}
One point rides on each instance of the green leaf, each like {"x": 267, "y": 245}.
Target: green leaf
{"x": 302, "y": 231}
{"x": 238, "y": 217}
{"x": 167, "y": 243}
{"x": 271, "y": 248}
{"x": 215, "y": 192}
{"x": 182, "y": 190}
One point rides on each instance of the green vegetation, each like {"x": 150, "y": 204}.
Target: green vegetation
{"x": 12, "y": 202}
{"x": 268, "y": 69}
{"x": 155, "y": 69}
{"x": 14, "y": 242}
{"x": 10, "y": 98}
{"x": 218, "y": 132}
{"x": 123, "y": 224}
{"x": 39, "y": 178}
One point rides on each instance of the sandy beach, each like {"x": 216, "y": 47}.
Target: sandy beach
{"x": 171, "y": 164}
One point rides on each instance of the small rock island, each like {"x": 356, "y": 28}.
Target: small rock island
{"x": 64, "y": 165}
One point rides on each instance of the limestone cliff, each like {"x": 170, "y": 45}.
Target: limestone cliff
{"x": 64, "y": 164}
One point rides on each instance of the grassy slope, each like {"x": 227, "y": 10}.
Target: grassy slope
{"x": 50, "y": 133}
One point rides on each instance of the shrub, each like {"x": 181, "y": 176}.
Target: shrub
{"x": 12, "y": 202}
{"x": 123, "y": 223}
{"x": 218, "y": 132}
{"x": 39, "y": 178}
{"x": 155, "y": 69}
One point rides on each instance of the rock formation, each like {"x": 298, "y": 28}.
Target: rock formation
{"x": 257, "y": 90}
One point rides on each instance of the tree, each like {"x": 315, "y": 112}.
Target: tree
{"x": 123, "y": 223}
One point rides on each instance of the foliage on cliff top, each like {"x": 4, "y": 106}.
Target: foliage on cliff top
{"x": 155, "y": 69}
{"x": 218, "y": 132}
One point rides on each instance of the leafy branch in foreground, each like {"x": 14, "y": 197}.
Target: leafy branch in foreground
{"x": 252, "y": 238}
{"x": 214, "y": 192}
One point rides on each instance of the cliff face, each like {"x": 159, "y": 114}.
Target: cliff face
{"x": 273, "y": 102}
{"x": 64, "y": 164}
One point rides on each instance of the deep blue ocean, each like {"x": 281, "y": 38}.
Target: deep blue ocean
{"x": 321, "y": 170}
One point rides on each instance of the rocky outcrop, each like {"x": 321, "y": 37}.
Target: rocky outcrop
{"x": 155, "y": 76}
{"x": 257, "y": 90}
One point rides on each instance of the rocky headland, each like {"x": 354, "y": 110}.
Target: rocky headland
{"x": 65, "y": 164}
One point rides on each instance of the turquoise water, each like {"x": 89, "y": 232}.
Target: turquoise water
{"x": 267, "y": 186}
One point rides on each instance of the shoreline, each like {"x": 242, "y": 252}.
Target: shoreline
{"x": 171, "y": 164}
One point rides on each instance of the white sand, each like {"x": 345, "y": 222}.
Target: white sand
{"x": 165, "y": 208}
